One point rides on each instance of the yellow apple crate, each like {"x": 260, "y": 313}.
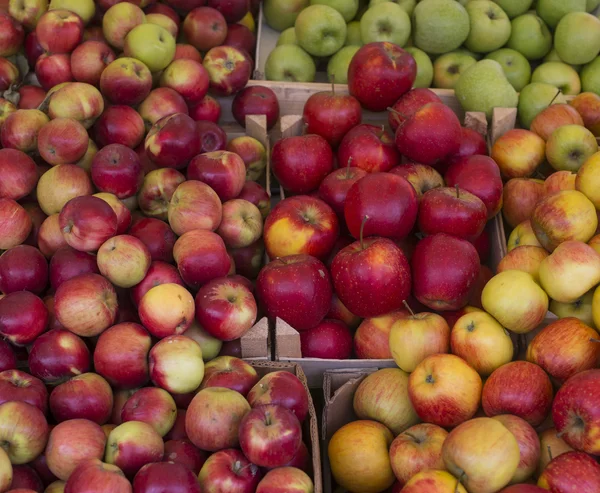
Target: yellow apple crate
{"x": 287, "y": 345}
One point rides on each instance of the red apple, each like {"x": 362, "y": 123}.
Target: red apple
{"x": 185, "y": 453}
{"x": 186, "y": 52}
{"x": 208, "y": 109}
{"x": 233, "y": 11}
{"x": 372, "y": 338}
{"x": 422, "y": 177}
{"x": 32, "y": 48}
{"x": 255, "y": 193}
{"x": 204, "y": 27}
{"x": 334, "y": 188}
{"x": 14, "y": 222}
{"x": 161, "y": 102}
{"x": 223, "y": 171}
{"x": 53, "y": 69}
{"x": 256, "y": 100}
{"x": 23, "y": 431}
{"x": 280, "y": 388}
{"x": 23, "y": 268}
{"x": 240, "y": 37}
{"x": 229, "y": 372}
{"x": 331, "y": 339}
{"x": 62, "y": 141}
{"x": 212, "y": 137}
{"x": 408, "y": 104}
{"x": 188, "y": 77}
{"x": 156, "y": 191}
{"x": 40, "y": 466}
{"x": 8, "y": 358}
{"x": 172, "y": 141}
{"x": 59, "y": 31}
{"x": 89, "y": 60}
{"x": 12, "y": 35}
{"x": 571, "y": 471}
{"x": 241, "y": 225}
{"x": 338, "y": 311}
{"x": 50, "y": 236}
{"x": 87, "y": 222}
{"x": 165, "y": 476}
{"x": 19, "y": 131}
{"x": 94, "y": 476}
{"x": 229, "y": 469}
{"x": 229, "y": 69}
{"x": 67, "y": 263}
{"x": 119, "y": 124}
{"x": 23, "y": 317}
{"x": 19, "y": 174}
{"x": 30, "y": 97}
{"x": 26, "y": 480}
{"x": 37, "y": 215}
{"x": 153, "y": 406}
{"x": 126, "y": 81}
{"x": 16, "y": 385}
{"x": 158, "y": 273}
{"x": 117, "y": 169}
{"x": 444, "y": 269}
{"x": 471, "y": 143}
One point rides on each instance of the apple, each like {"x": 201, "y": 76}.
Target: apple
{"x": 483, "y": 453}
{"x": 255, "y": 100}
{"x": 8, "y": 358}
{"x": 16, "y": 385}
{"x": 95, "y": 476}
{"x": 58, "y": 355}
{"x": 526, "y": 258}
{"x": 119, "y": 124}
{"x": 331, "y": 339}
{"x": 334, "y": 188}
{"x": 438, "y": 479}
{"x": 212, "y": 137}
{"x": 417, "y": 449}
{"x": 19, "y": 131}
{"x": 229, "y": 372}
{"x": 301, "y": 163}
{"x": 119, "y": 208}
{"x": 19, "y": 174}
{"x": 518, "y": 153}
{"x": 119, "y": 20}
{"x": 188, "y": 77}
{"x": 161, "y": 102}
{"x": 12, "y": 35}
{"x": 551, "y": 446}
{"x": 133, "y": 444}
{"x": 9, "y": 74}
{"x": 158, "y": 273}
{"x": 280, "y": 388}
{"x": 86, "y": 396}
{"x": 229, "y": 69}
{"x": 151, "y": 44}
{"x": 444, "y": 390}
{"x": 166, "y": 309}
{"x": 585, "y": 179}
{"x": 520, "y": 196}
{"x": 422, "y": 177}
{"x": 553, "y": 117}
{"x": 117, "y": 169}
{"x": 372, "y": 337}
{"x": 522, "y": 235}
{"x": 158, "y": 237}
{"x": 67, "y": 263}
{"x": 62, "y": 141}
{"x": 292, "y": 479}
{"x": 16, "y": 223}
{"x": 25, "y": 480}
{"x": 23, "y": 317}
{"x": 157, "y": 190}
{"x": 7, "y": 108}
{"x": 252, "y": 152}
{"x": 64, "y": 454}
{"x": 77, "y": 100}
{"x": 23, "y": 431}
{"x": 186, "y": 51}
{"x": 301, "y": 308}
{"x": 165, "y": 150}
{"x": 183, "y": 452}
{"x": 571, "y": 469}
{"x": 173, "y": 476}
{"x": 59, "y": 31}
{"x": 74, "y": 182}
{"x": 208, "y": 109}
{"x": 176, "y": 364}
{"x": 205, "y": 27}
{"x": 86, "y": 304}
{"x": 31, "y": 46}
{"x": 194, "y": 205}
{"x": 126, "y": 81}
{"x": 229, "y": 469}
{"x": 153, "y": 406}
{"x": 30, "y": 98}
{"x": 368, "y": 147}
{"x": 88, "y": 61}
{"x": 50, "y": 237}
{"x": 408, "y": 104}
{"x": 379, "y": 74}
{"x": 23, "y": 268}
{"x": 124, "y": 260}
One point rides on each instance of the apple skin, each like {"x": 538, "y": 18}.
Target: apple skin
{"x": 480, "y": 176}
{"x": 157, "y": 190}
{"x": 229, "y": 469}
{"x": 23, "y": 430}
{"x": 280, "y": 388}
{"x": 32, "y": 47}
{"x": 119, "y": 20}
{"x": 358, "y": 275}
{"x": 53, "y": 69}
{"x": 372, "y": 337}
{"x": 158, "y": 237}
{"x": 74, "y": 182}
{"x": 212, "y": 137}
{"x": 23, "y": 317}
{"x": 571, "y": 469}
{"x": 518, "y": 153}
{"x": 8, "y": 358}
{"x": 241, "y": 225}
{"x": 229, "y": 69}
{"x": 166, "y": 310}
{"x": 126, "y": 81}
{"x": 408, "y": 104}
{"x": 23, "y": 268}
{"x": 117, "y": 169}
{"x": 301, "y": 225}
{"x": 161, "y": 102}
{"x": 186, "y": 51}
{"x": 583, "y": 351}
{"x": 153, "y": 406}
{"x": 417, "y": 449}
{"x": 50, "y": 237}
{"x": 183, "y": 452}
{"x": 256, "y": 100}
{"x": 559, "y": 181}
{"x": 229, "y": 372}
{"x": 165, "y": 475}
{"x": 553, "y": 117}
{"x": 208, "y": 109}
{"x": 204, "y": 27}
{"x": 172, "y": 141}
{"x": 301, "y": 163}
{"x": 291, "y": 479}
{"x": 368, "y": 147}
{"x": 80, "y": 297}
{"x": 519, "y": 388}
{"x": 194, "y": 205}
{"x": 201, "y": 256}
{"x": 448, "y": 401}
{"x": 16, "y": 385}
{"x": 67, "y": 263}
{"x": 158, "y": 273}
{"x": 423, "y": 481}
{"x": 19, "y": 174}
{"x": 57, "y": 356}
{"x": 188, "y": 77}
{"x": 379, "y": 74}
{"x": 550, "y": 443}
{"x": 338, "y": 311}
{"x": 366, "y": 198}
{"x": 16, "y": 223}
{"x": 95, "y": 476}
{"x": 89, "y": 60}
{"x": 213, "y": 418}
{"x": 13, "y": 35}
{"x": 331, "y": 339}
{"x": 25, "y": 480}
{"x": 253, "y": 153}
{"x": 422, "y": 177}
{"x": 31, "y": 97}
{"x": 77, "y": 100}
{"x": 436, "y": 260}
{"x": 520, "y": 196}
{"x": 87, "y": 396}
{"x": 241, "y": 37}
{"x": 64, "y": 455}
{"x": 335, "y": 186}
{"x": 223, "y": 171}
{"x": 19, "y": 131}
{"x": 523, "y": 488}
{"x": 119, "y": 124}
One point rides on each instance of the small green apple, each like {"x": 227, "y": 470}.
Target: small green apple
{"x": 590, "y": 77}
{"x": 337, "y": 68}
{"x": 321, "y": 30}
{"x": 569, "y": 146}
{"x": 385, "y": 22}
{"x": 424, "y": 67}
{"x": 353, "y": 36}
{"x": 348, "y": 8}
{"x": 287, "y": 37}
{"x": 536, "y": 97}
{"x": 577, "y": 38}
{"x": 515, "y": 66}
{"x": 150, "y": 44}
{"x": 490, "y": 26}
{"x": 282, "y": 14}
{"x": 560, "y": 75}
{"x": 530, "y": 36}
{"x": 290, "y": 63}
{"x": 552, "y": 11}
{"x": 439, "y": 26}
{"x": 514, "y": 8}
{"x": 448, "y": 68}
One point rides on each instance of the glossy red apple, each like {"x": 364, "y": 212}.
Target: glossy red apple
{"x": 67, "y": 263}
{"x": 19, "y": 174}
{"x": 89, "y": 60}
{"x": 223, "y": 171}
{"x": 53, "y": 69}
{"x": 23, "y": 317}
{"x": 331, "y": 339}
{"x": 173, "y": 141}
{"x": 204, "y": 27}
{"x": 158, "y": 273}
{"x": 281, "y": 388}
{"x": 87, "y": 222}
{"x": 117, "y": 169}
{"x": 8, "y": 358}
{"x": 229, "y": 469}
{"x": 212, "y": 137}
{"x": 256, "y": 100}
{"x": 23, "y": 268}
{"x": 409, "y": 103}
{"x": 119, "y": 124}
{"x": 95, "y": 476}
{"x": 15, "y": 222}
{"x": 16, "y": 385}
{"x": 59, "y": 31}
{"x": 165, "y": 476}
{"x": 182, "y": 451}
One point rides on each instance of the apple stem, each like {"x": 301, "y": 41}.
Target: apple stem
{"x": 389, "y": 108}
{"x": 592, "y": 339}
{"x": 549, "y": 451}
{"x": 348, "y": 168}
{"x": 362, "y": 229}
{"x": 281, "y": 260}
{"x": 457, "y": 191}
{"x": 407, "y": 306}
{"x": 554, "y": 98}
{"x": 408, "y": 433}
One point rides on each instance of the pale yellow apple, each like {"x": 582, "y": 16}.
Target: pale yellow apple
{"x": 83, "y": 8}
{"x": 433, "y": 481}
{"x": 483, "y": 454}
{"x": 522, "y": 235}
{"x": 515, "y": 300}
{"x": 526, "y": 258}
{"x": 570, "y": 271}
{"x": 119, "y": 20}
{"x": 414, "y": 338}
{"x": 581, "y": 308}
{"x": 482, "y": 342}
{"x": 588, "y": 179}
{"x": 595, "y": 243}
{"x": 163, "y": 21}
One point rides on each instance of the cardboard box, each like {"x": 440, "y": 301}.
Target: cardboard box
{"x": 310, "y": 430}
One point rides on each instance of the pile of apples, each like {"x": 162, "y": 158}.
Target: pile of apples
{"x": 237, "y": 432}
{"x": 345, "y": 243}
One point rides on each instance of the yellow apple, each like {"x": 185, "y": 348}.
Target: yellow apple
{"x": 522, "y": 235}
{"x": 83, "y": 8}
{"x": 514, "y": 299}
{"x": 588, "y": 179}
{"x": 570, "y": 271}
{"x": 559, "y": 181}
{"x": 518, "y": 153}
{"x": 151, "y": 44}
{"x": 525, "y": 258}
{"x": 482, "y": 342}
{"x": 433, "y": 481}
{"x": 596, "y": 307}
{"x": 581, "y": 308}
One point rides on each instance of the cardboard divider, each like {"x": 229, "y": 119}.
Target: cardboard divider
{"x": 310, "y": 426}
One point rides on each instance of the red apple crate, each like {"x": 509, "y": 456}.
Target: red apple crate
{"x": 310, "y": 427}
{"x": 286, "y": 338}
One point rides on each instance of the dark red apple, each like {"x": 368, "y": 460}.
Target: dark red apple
{"x": 240, "y": 37}
{"x": 334, "y": 188}
{"x": 331, "y": 339}
{"x": 212, "y": 137}
{"x": 165, "y": 476}
{"x": 23, "y": 268}
{"x": 119, "y": 124}
{"x": 185, "y": 453}
{"x": 232, "y": 10}
{"x": 471, "y": 143}
{"x": 23, "y": 317}
{"x": 8, "y": 358}
{"x": 117, "y": 169}
{"x": 208, "y": 109}
{"x": 159, "y": 273}
{"x": 229, "y": 470}
{"x": 256, "y": 100}
{"x": 173, "y": 141}
{"x": 282, "y": 388}
{"x": 30, "y": 97}
{"x": 368, "y": 147}
{"x": 26, "y": 480}
{"x": 67, "y": 263}
{"x": 16, "y": 385}
{"x": 158, "y": 237}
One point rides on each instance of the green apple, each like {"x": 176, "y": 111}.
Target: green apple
{"x": 490, "y": 26}
{"x": 348, "y": 8}
{"x": 440, "y": 26}
{"x": 577, "y": 38}
{"x": 385, "y": 22}
{"x": 424, "y": 67}
{"x": 590, "y": 77}
{"x": 592, "y": 5}
{"x": 560, "y": 75}
{"x": 150, "y": 44}
{"x": 569, "y": 147}
{"x": 282, "y": 14}
{"x": 288, "y": 37}
{"x": 290, "y": 63}
{"x": 407, "y": 5}
{"x": 530, "y": 36}
{"x": 353, "y": 37}
{"x": 552, "y": 56}
{"x": 552, "y": 11}
{"x": 448, "y": 68}
{"x": 514, "y": 8}
{"x": 515, "y": 66}
{"x": 337, "y": 68}
{"x": 536, "y": 97}
{"x": 321, "y": 30}
{"x": 464, "y": 51}
{"x": 83, "y": 8}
